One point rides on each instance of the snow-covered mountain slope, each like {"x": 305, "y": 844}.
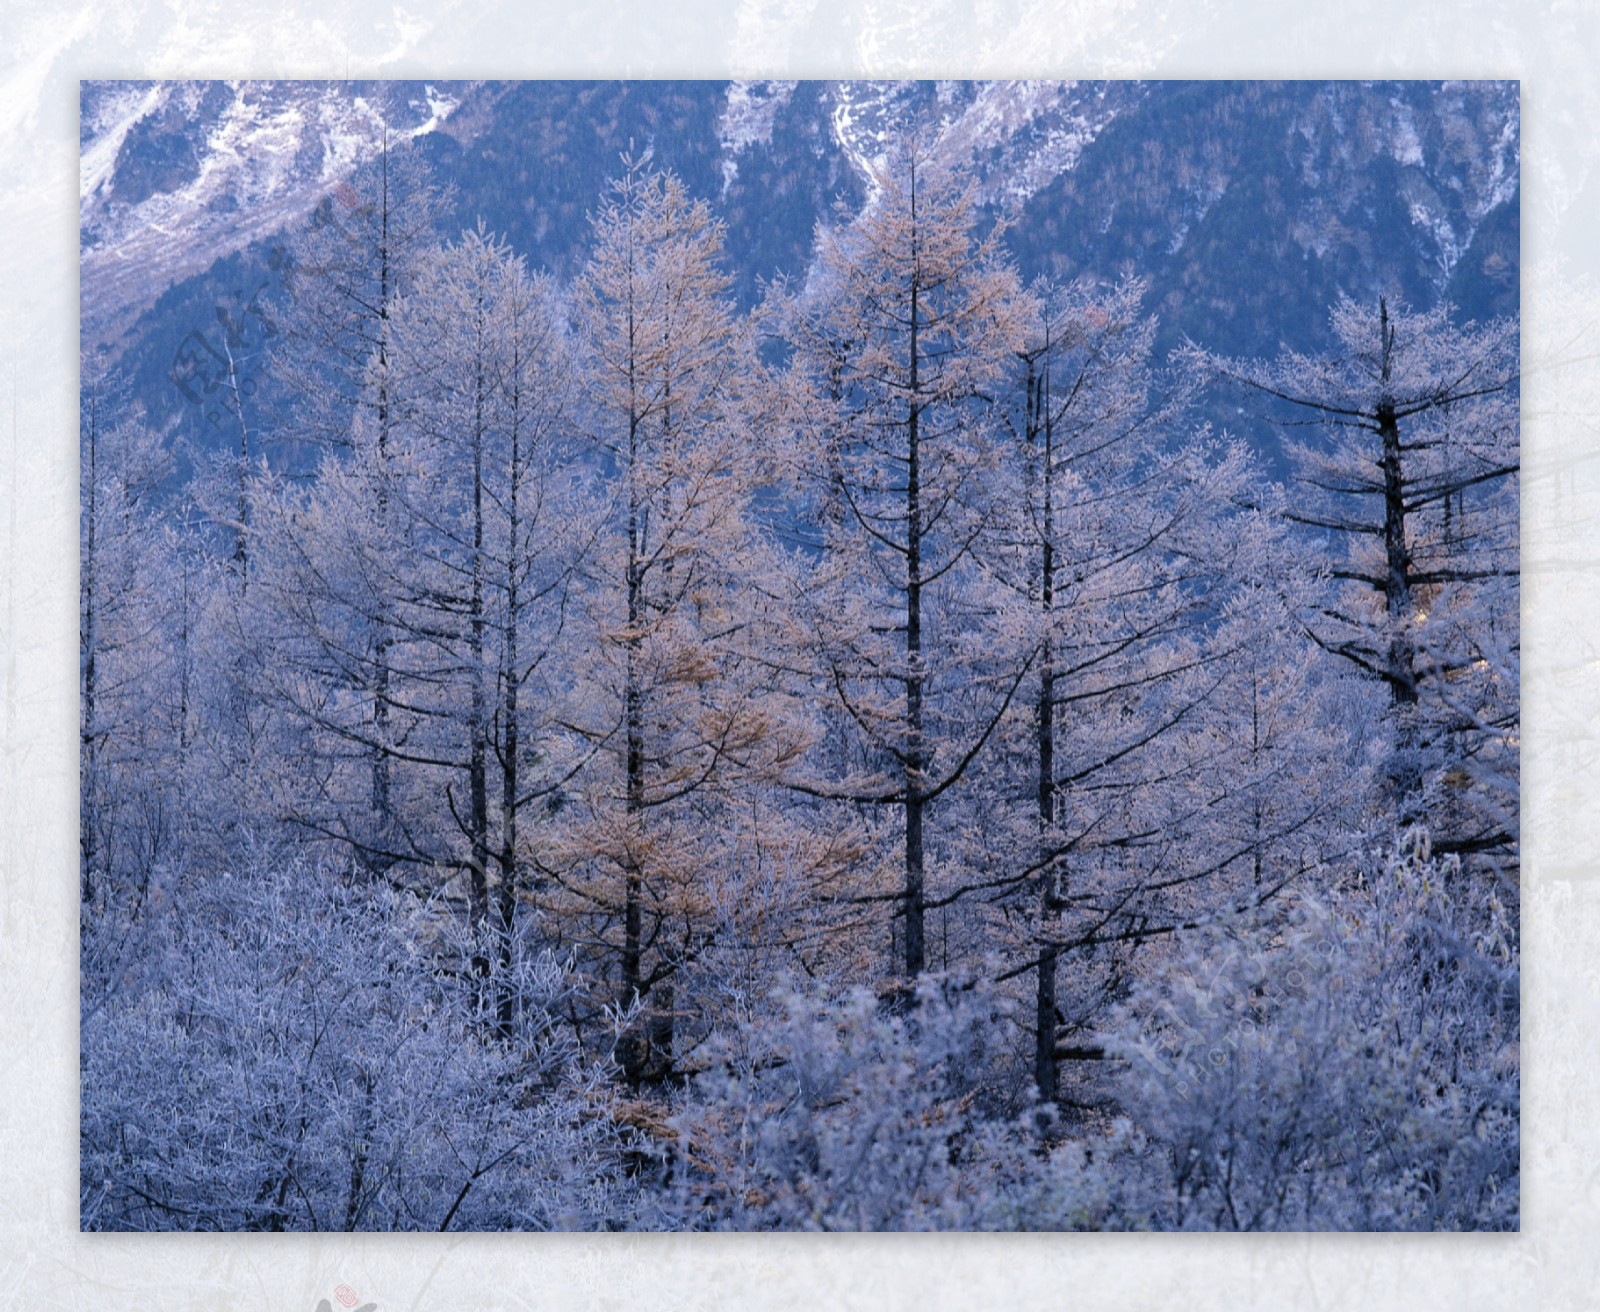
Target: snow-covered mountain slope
{"x": 1018, "y": 136}
{"x": 175, "y": 175}
{"x": 1248, "y": 206}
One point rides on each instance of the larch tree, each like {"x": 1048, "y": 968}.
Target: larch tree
{"x": 1126, "y": 543}
{"x": 468, "y": 559}
{"x": 668, "y": 708}
{"x": 1411, "y": 481}
{"x": 482, "y": 393}
{"x": 345, "y": 269}
{"x": 131, "y": 715}
{"x": 897, "y": 342}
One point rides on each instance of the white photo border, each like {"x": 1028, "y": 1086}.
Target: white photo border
{"x": 1550, "y": 46}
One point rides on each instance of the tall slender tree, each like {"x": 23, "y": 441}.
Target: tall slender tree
{"x": 467, "y": 560}
{"x": 345, "y": 269}
{"x": 899, "y": 339}
{"x": 668, "y": 706}
{"x": 1411, "y": 480}
{"x": 482, "y": 391}
{"x": 1126, "y": 545}
{"x": 130, "y": 713}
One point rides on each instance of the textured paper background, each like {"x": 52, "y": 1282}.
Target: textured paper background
{"x": 1554, "y": 1264}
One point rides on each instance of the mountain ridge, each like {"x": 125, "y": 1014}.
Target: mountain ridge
{"x": 1248, "y": 206}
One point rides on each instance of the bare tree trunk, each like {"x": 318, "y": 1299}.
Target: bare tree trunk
{"x": 381, "y": 805}
{"x": 633, "y": 716}
{"x": 1400, "y": 674}
{"x": 360, "y": 1150}
{"x": 915, "y": 758}
{"x": 241, "y": 535}
{"x": 1397, "y": 578}
{"x": 477, "y": 768}
{"x": 1045, "y": 1070}
{"x": 89, "y": 639}
{"x": 510, "y": 744}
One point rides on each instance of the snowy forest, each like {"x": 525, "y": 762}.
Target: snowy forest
{"x": 878, "y": 754}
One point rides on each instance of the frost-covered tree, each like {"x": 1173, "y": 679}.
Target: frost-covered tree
{"x": 362, "y": 249}
{"x": 467, "y": 559}
{"x": 832, "y": 1115}
{"x": 898, "y": 339}
{"x": 831, "y": 1112}
{"x": 1411, "y": 479}
{"x": 1131, "y": 550}
{"x": 345, "y": 269}
{"x": 283, "y": 1051}
{"x": 482, "y": 386}
{"x": 666, "y": 815}
{"x": 131, "y": 713}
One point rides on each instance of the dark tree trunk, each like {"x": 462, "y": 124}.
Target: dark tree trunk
{"x": 510, "y": 741}
{"x": 915, "y": 756}
{"x": 478, "y": 783}
{"x": 241, "y": 537}
{"x": 381, "y": 805}
{"x": 1402, "y": 677}
{"x": 1400, "y": 672}
{"x": 89, "y": 640}
{"x": 633, "y": 716}
{"x": 1045, "y": 1071}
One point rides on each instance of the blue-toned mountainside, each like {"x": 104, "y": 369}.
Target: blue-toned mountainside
{"x": 1248, "y": 206}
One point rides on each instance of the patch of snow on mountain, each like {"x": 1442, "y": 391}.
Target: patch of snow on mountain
{"x": 1436, "y": 224}
{"x": 440, "y": 107}
{"x": 250, "y": 153}
{"x": 748, "y": 115}
{"x": 111, "y": 121}
{"x": 865, "y": 114}
{"x": 267, "y": 153}
{"x": 1505, "y": 172}
{"x": 1407, "y": 145}
{"x": 1023, "y": 135}
{"x": 747, "y": 120}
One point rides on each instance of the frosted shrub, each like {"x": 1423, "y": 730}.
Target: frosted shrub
{"x": 840, "y": 1114}
{"x": 293, "y": 1053}
{"x": 1350, "y": 1065}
